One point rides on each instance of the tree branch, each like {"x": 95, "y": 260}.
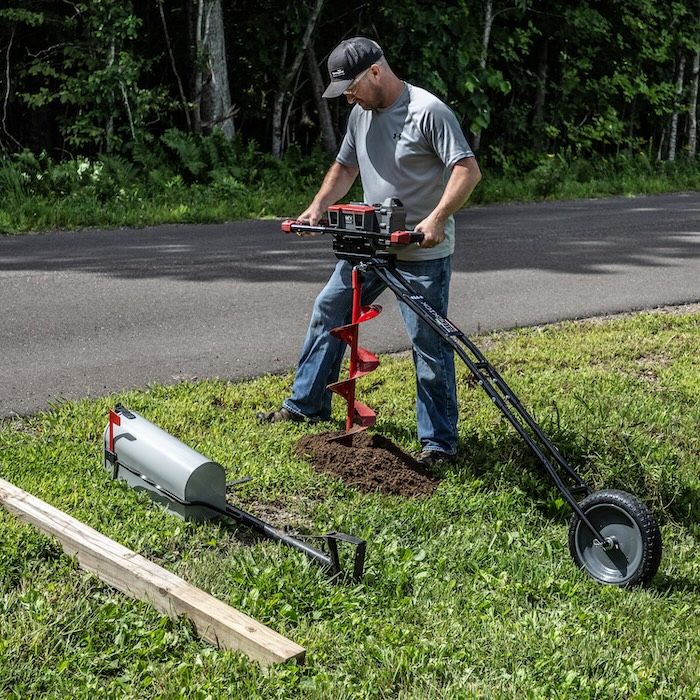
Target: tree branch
{"x": 128, "y": 110}
{"x": 181, "y": 90}
{"x": 306, "y": 39}
{"x": 223, "y": 118}
{"x": 288, "y": 114}
{"x": 7, "y": 90}
{"x": 693, "y": 107}
{"x": 324, "y": 114}
{"x": 285, "y": 82}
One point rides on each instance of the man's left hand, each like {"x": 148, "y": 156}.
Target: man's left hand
{"x": 433, "y": 231}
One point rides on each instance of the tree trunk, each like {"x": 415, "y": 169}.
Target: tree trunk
{"x": 194, "y": 21}
{"x": 486, "y": 36}
{"x": 288, "y": 77}
{"x": 109, "y": 126}
{"x": 209, "y": 88}
{"x": 485, "y": 41}
{"x": 127, "y": 106}
{"x": 693, "y": 108}
{"x": 673, "y": 137}
{"x": 330, "y": 143}
{"x": 662, "y": 141}
{"x": 216, "y": 111}
{"x": 277, "y": 107}
{"x": 540, "y": 96}
{"x": 8, "y": 92}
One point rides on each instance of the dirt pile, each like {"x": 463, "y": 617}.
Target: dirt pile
{"x": 369, "y": 463}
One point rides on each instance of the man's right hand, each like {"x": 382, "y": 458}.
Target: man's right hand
{"x": 336, "y": 184}
{"x": 312, "y": 215}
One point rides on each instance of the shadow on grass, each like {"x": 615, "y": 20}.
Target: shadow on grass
{"x": 504, "y": 459}
{"x": 675, "y": 584}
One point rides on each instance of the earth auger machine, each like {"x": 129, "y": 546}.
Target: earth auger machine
{"x": 613, "y": 536}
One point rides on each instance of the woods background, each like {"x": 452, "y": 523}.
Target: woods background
{"x": 582, "y": 78}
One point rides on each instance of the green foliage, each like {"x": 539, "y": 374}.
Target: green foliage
{"x": 477, "y": 89}
{"x": 558, "y": 177}
{"x": 183, "y": 178}
{"x": 609, "y": 80}
{"x": 94, "y": 73}
{"x": 469, "y": 593}
{"x": 16, "y": 15}
{"x": 588, "y": 78}
{"x": 179, "y": 178}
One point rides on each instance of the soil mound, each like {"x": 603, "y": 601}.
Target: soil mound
{"x": 369, "y": 463}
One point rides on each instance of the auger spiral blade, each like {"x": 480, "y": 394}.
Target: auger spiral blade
{"x": 359, "y": 416}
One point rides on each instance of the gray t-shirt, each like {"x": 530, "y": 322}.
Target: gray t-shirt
{"x": 407, "y": 151}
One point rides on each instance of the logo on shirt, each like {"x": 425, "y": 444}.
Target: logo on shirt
{"x": 395, "y": 136}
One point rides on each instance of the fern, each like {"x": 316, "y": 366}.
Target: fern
{"x": 188, "y": 154}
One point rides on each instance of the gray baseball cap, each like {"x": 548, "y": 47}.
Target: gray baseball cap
{"x": 348, "y": 60}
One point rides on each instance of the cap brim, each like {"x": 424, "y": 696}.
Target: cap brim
{"x": 337, "y": 88}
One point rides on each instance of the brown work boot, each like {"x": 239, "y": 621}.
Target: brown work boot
{"x": 279, "y": 416}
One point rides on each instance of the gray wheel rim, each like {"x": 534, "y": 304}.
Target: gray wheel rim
{"x": 616, "y": 565}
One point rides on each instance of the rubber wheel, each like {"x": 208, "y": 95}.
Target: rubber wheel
{"x": 636, "y": 556}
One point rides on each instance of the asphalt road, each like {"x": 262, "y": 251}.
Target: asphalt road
{"x": 92, "y": 312}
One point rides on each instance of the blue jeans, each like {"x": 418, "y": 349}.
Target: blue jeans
{"x": 322, "y": 353}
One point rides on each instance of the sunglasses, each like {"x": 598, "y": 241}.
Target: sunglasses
{"x": 352, "y": 88}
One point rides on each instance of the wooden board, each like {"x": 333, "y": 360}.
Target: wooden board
{"x": 140, "y": 578}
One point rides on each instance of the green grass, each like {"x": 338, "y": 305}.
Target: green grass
{"x": 136, "y": 208}
{"x": 177, "y": 179}
{"x": 468, "y": 593}
{"x": 558, "y": 177}
{"x": 81, "y": 205}
{"x": 198, "y": 180}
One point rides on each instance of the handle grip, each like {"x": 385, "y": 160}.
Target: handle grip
{"x": 405, "y": 237}
{"x": 303, "y": 229}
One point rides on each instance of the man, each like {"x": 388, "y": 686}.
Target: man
{"x": 404, "y": 143}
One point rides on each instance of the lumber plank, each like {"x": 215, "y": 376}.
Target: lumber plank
{"x": 140, "y": 578}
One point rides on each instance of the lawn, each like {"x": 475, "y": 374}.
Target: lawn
{"x": 469, "y": 592}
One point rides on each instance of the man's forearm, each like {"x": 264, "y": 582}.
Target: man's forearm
{"x": 336, "y": 184}
{"x": 463, "y": 179}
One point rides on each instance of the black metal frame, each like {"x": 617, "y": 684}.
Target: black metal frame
{"x": 495, "y": 386}
{"x": 372, "y": 251}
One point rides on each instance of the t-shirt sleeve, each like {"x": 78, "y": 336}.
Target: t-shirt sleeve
{"x": 347, "y": 154}
{"x": 441, "y": 128}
